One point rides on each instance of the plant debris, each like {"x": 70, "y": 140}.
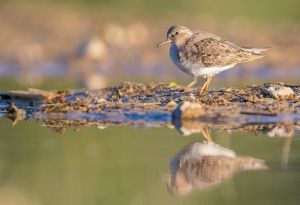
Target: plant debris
{"x": 157, "y": 105}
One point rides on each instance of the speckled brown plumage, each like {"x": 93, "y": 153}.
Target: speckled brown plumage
{"x": 212, "y": 52}
{"x": 200, "y": 166}
{"x": 200, "y": 53}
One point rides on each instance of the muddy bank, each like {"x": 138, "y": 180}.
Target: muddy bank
{"x": 157, "y": 105}
{"x": 268, "y": 99}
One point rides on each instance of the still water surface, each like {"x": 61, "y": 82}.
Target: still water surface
{"x": 130, "y": 165}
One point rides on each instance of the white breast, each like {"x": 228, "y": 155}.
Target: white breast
{"x": 182, "y": 65}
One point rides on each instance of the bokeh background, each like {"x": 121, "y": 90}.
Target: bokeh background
{"x": 64, "y": 44}
{"x": 59, "y": 44}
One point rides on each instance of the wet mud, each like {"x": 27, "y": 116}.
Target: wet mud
{"x": 254, "y": 108}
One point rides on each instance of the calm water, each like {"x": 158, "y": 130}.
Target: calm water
{"x": 129, "y": 165}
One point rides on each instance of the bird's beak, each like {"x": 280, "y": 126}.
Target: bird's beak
{"x": 164, "y": 42}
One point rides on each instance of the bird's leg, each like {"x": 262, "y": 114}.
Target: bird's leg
{"x": 205, "y": 133}
{"x": 206, "y": 85}
{"x": 193, "y": 82}
{"x": 209, "y": 78}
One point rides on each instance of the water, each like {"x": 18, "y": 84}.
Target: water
{"x": 136, "y": 156}
{"x": 129, "y": 165}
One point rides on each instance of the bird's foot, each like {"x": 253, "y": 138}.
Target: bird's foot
{"x": 203, "y": 90}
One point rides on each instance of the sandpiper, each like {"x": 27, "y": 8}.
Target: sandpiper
{"x": 200, "y": 53}
{"x": 200, "y": 166}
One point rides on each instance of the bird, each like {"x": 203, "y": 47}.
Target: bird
{"x": 203, "y": 165}
{"x": 203, "y": 54}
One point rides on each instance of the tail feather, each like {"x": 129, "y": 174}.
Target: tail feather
{"x": 249, "y": 163}
{"x": 258, "y": 51}
{"x": 253, "y": 53}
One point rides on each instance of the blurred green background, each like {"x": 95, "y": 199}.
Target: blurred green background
{"x": 87, "y": 42}
{"x": 258, "y": 10}
{"x": 73, "y": 44}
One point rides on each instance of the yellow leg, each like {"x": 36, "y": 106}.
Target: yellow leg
{"x": 206, "y": 134}
{"x": 209, "y": 81}
{"x": 193, "y": 82}
{"x": 203, "y": 87}
{"x": 206, "y": 85}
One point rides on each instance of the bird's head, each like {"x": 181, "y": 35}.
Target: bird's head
{"x": 177, "y": 34}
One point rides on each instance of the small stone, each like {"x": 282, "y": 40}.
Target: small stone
{"x": 189, "y": 110}
{"x": 172, "y": 104}
{"x": 280, "y": 92}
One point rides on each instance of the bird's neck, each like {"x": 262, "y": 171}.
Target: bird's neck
{"x": 181, "y": 40}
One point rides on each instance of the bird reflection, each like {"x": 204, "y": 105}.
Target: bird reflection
{"x": 202, "y": 165}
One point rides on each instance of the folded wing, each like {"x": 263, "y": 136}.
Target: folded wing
{"x": 216, "y": 52}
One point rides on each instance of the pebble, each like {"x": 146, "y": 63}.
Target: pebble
{"x": 280, "y": 92}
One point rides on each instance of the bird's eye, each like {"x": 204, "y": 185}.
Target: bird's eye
{"x": 176, "y": 33}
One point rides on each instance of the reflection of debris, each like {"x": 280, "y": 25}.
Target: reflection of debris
{"x": 281, "y": 130}
{"x": 200, "y": 166}
{"x": 102, "y": 127}
{"x": 15, "y": 114}
{"x": 189, "y": 111}
{"x": 188, "y": 127}
{"x": 58, "y": 122}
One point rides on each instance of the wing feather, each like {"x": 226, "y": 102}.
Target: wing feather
{"x": 216, "y": 52}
